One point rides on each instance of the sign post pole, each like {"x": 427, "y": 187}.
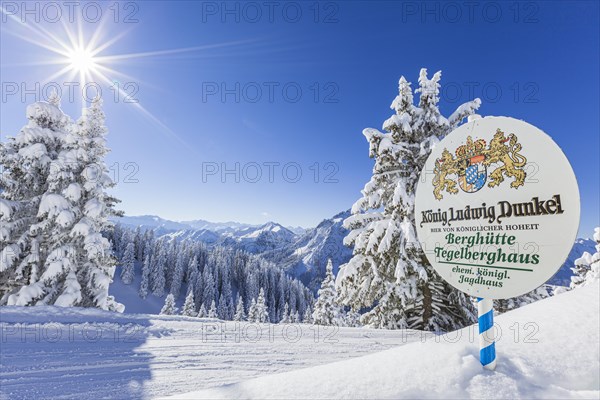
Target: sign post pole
{"x": 487, "y": 344}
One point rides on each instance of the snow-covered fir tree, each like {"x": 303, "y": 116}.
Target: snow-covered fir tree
{"x": 169, "y": 307}
{"x": 138, "y": 244}
{"x": 126, "y": 238}
{"x": 221, "y": 308}
{"x": 389, "y": 273}
{"x": 127, "y": 264}
{"x": 240, "y": 314}
{"x": 145, "y": 283}
{"x": 26, "y": 160}
{"x": 587, "y": 267}
{"x": 97, "y": 206}
{"x": 158, "y": 272}
{"x": 54, "y": 208}
{"x": 225, "y": 309}
{"x": 285, "y": 318}
{"x": 178, "y": 275}
{"x": 252, "y": 285}
{"x": 189, "y": 306}
{"x": 208, "y": 295}
{"x": 307, "y": 317}
{"x": 192, "y": 271}
{"x": 262, "y": 311}
{"x": 198, "y": 288}
{"x": 147, "y": 243}
{"x": 212, "y": 312}
{"x": 202, "y": 313}
{"x": 327, "y": 311}
{"x": 295, "y": 317}
{"x": 259, "y": 311}
{"x": 252, "y": 311}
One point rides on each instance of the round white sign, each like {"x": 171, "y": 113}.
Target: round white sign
{"x": 497, "y": 208}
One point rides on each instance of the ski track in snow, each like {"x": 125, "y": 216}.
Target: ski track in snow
{"x": 90, "y": 354}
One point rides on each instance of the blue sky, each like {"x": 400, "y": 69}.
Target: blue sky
{"x": 536, "y": 61}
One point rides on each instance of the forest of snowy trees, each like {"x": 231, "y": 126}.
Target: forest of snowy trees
{"x": 215, "y": 282}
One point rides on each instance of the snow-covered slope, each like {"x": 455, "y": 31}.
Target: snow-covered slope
{"x": 74, "y": 353}
{"x": 549, "y": 349}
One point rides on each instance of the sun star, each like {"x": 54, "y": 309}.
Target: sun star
{"x": 82, "y": 60}
{"x": 86, "y": 59}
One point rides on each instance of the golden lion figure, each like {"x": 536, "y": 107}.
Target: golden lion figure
{"x": 508, "y": 155}
{"x": 444, "y": 166}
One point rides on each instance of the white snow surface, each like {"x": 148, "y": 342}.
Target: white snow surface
{"x": 555, "y": 356}
{"x": 54, "y": 352}
{"x": 78, "y": 353}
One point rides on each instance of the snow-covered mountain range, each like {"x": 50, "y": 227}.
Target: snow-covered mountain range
{"x": 254, "y": 239}
{"x": 306, "y": 257}
{"x": 303, "y": 253}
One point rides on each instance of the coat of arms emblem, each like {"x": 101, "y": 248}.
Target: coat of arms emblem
{"x": 469, "y": 169}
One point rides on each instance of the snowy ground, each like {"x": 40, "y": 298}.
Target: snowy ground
{"x": 49, "y": 352}
{"x": 549, "y": 349}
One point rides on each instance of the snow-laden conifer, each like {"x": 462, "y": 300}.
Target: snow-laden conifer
{"x": 54, "y": 210}
{"x": 285, "y": 317}
{"x": 240, "y": 314}
{"x": 169, "y": 307}
{"x": 389, "y": 273}
{"x": 587, "y": 267}
{"x": 127, "y": 264}
{"x": 189, "y": 306}
{"x": 158, "y": 271}
{"x": 212, "y": 312}
{"x": 295, "y": 317}
{"x": 259, "y": 311}
{"x": 144, "y": 285}
{"x": 202, "y": 313}
{"x": 252, "y": 311}
{"x": 307, "y": 317}
{"x": 327, "y": 311}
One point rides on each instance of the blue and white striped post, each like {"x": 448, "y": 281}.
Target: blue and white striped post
{"x": 487, "y": 344}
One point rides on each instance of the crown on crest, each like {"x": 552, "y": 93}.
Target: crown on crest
{"x": 471, "y": 148}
